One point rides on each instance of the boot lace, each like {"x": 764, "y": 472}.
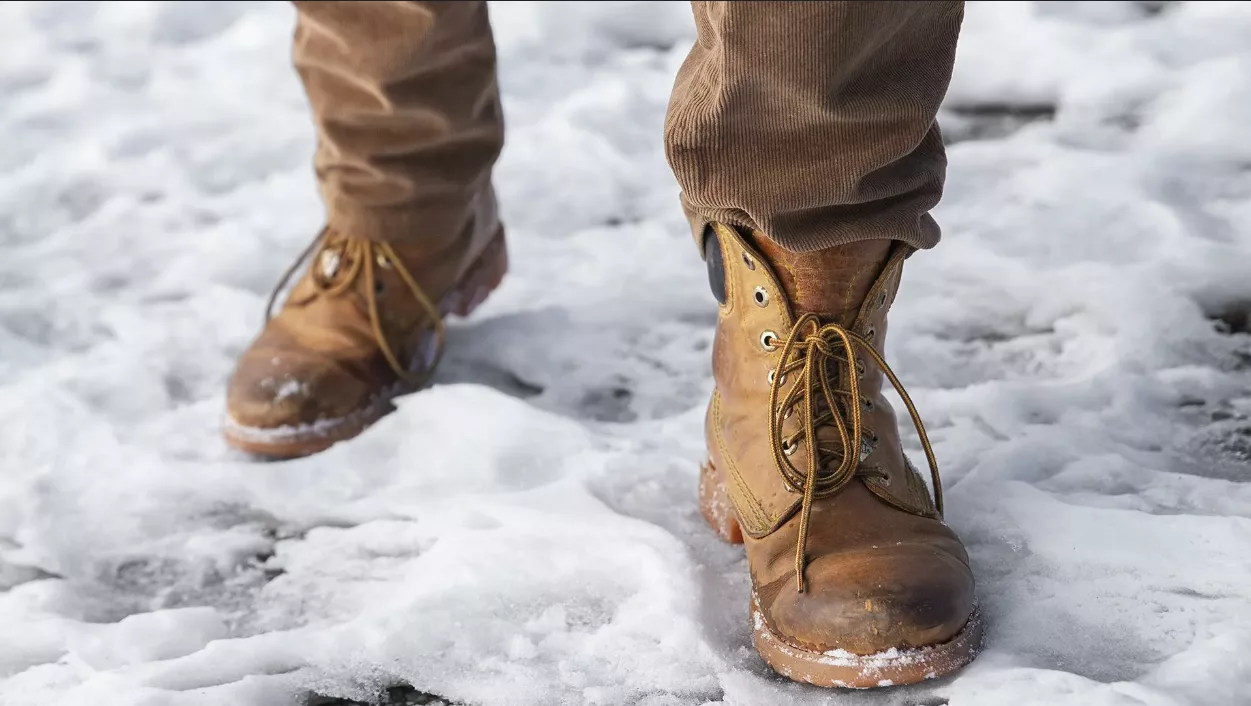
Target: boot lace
{"x": 362, "y": 257}
{"x": 808, "y": 351}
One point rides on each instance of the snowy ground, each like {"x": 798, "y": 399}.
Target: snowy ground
{"x": 525, "y": 533}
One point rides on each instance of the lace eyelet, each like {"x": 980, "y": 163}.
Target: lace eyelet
{"x": 761, "y": 296}
{"x": 748, "y": 262}
{"x": 881, "y": 300}
{"x": 767, "y": 341}
{"x": 860, "y": 370}
{"x": 383, "y": 262}
{"x": 870, "y": 334}
{"x": 772, "y": 374}
{"x": 868, "y": 403}
{"x": 379, "y": 288}
{"x": 330, "y": 260}
{"x": 789, "y": 448}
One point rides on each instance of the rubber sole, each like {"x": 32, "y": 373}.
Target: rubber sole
{"x": 483, "y": 277}
{"x": 838, "y": 668}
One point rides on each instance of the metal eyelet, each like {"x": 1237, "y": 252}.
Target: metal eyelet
{"x": 868, "y": 403}
{"x": 772, "y": 374}
{"x": 881, "y": 300}
{"x": 870, "y": 334}
{"x": 761, "y": 296}
{"x": 750, "y": 263}
{"x": 767, "y": 340}
{"x": 383, "y": 262}
{"x": 329, "y": 263}
{"x": 789, "y": 448}
{"x": 860, "y": 370}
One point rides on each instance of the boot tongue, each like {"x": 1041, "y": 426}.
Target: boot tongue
{"x": 831, "y": 283}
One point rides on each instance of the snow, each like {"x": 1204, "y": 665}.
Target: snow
{"x": 526, "y": 532}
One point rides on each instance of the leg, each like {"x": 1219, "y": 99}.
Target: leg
{"x": 813, "y": 122}
{"x": 406, "y": 103}
{"x": 803, "y": 137}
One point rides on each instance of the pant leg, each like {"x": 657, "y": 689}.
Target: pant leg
{"x": 407, "y": 109}
{"x": 814, "y": 122}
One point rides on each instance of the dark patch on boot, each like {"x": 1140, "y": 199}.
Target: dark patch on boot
{"x": 716, "y": 264}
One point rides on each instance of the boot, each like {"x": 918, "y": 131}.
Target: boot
{"x": 856, "y": 580}
{"x": 363, "y": 325}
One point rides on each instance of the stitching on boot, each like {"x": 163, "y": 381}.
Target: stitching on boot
{"x": 917, "y": 500}
{"x": 757, "y": 515}
{"x": 851, "y": 285}
{"x": 894, "y": 266}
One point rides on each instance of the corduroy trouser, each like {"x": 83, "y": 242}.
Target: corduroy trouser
{"x": 810, "y": 122}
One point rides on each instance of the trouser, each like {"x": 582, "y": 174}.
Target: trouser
{"x": 812, "y": 123}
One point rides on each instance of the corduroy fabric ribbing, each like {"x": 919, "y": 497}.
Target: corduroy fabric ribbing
{"x": 813, "y": 123}
{"x": 406, "y": 104}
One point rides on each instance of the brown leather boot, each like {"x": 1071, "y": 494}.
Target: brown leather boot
{"x": 856, "y": 579}
{"x": 363, "y": 325}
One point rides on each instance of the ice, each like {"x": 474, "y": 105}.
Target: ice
{"x": 525, "y": 532}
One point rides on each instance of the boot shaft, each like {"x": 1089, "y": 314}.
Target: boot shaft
{"x": 763, "y": 292}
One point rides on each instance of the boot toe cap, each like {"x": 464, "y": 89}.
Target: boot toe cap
{"x": 281, "y": 393}
{"x": 872, "y": 601}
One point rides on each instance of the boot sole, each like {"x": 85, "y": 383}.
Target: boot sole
{"x": 483, "y": 277}
{"x": 837, "y": 668}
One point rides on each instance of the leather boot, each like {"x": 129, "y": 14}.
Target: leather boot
{"x": 856, "y": 580}
{"x": 363, "y": 325}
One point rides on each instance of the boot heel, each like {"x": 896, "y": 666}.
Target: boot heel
{"x": 715, "y": 505}
{"x": 483, "y": 277}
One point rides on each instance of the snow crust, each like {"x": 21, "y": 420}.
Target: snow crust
{"x": 526, "y": 531}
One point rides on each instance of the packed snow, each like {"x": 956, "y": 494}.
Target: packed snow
{"x": 525, "y": 532}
